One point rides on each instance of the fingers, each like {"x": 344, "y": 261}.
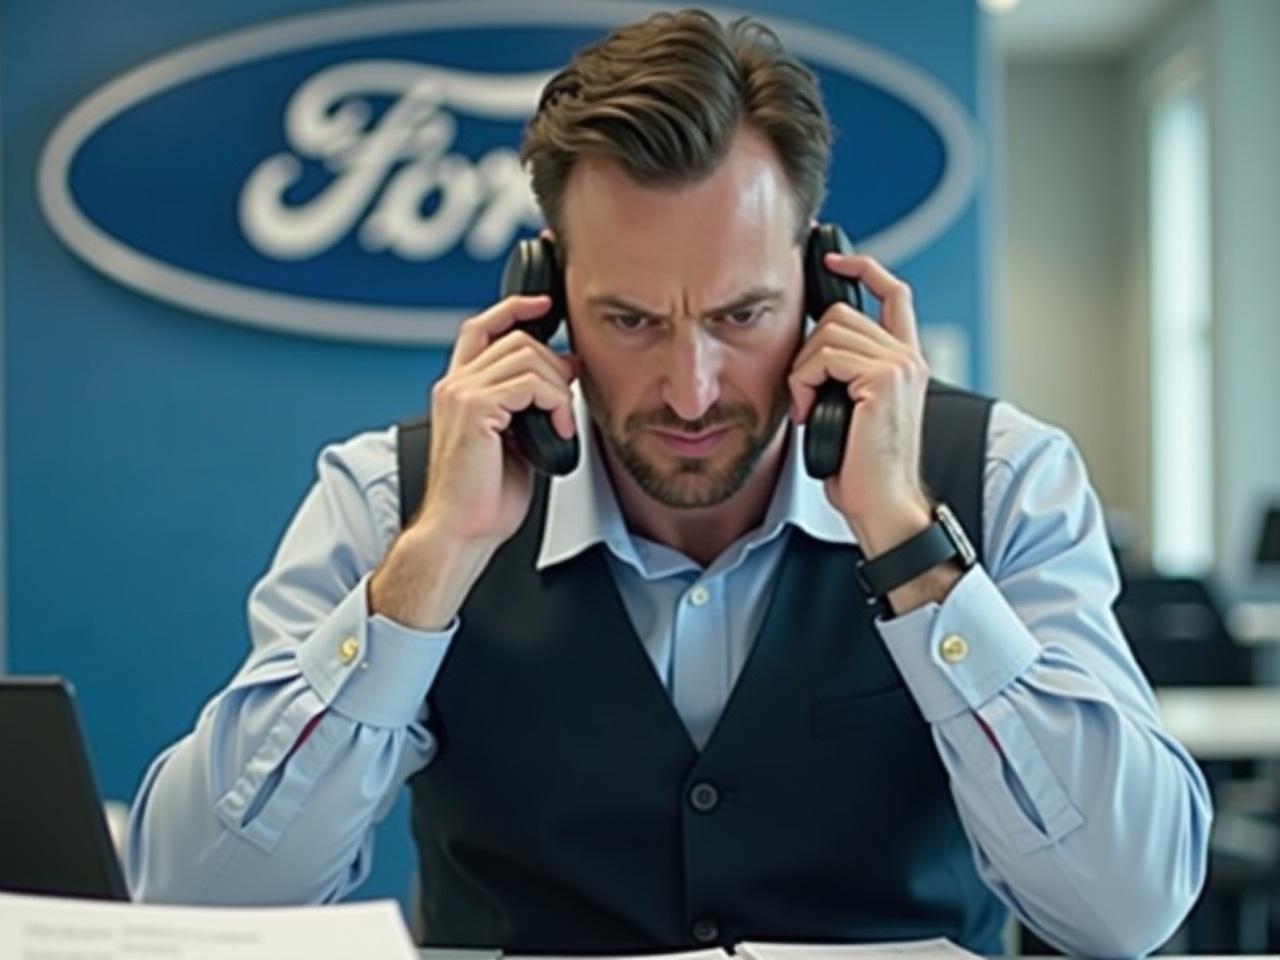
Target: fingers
{"x": 897, "y": 308}
{"x": 522, "y": 344}
{"x": 853, "y": 371}
{"x": 852, "y": 355}
{"x": 851, "y": 347}
{"x": 844, "y": 326}
{"x": 526, "y": 377}
{"x": 490, "y": 406}
{"x": 510, "y": 375}
{"x": 476, "y": 333}
{"x": 529, "y": 389}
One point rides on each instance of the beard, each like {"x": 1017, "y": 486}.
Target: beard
{"x": 689, "y": 482}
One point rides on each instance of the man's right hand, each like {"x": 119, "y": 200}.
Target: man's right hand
{"x": 480, "y": 489}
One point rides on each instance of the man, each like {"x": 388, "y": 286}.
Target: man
{"x": 646, "y": 705}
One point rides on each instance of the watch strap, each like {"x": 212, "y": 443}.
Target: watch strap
{"x": 941, "y": 541}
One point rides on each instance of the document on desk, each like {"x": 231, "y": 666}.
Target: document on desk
{"x": 938, "y": 948}
{"x": 42, "y": 928}
{"x": 712, "y": 954}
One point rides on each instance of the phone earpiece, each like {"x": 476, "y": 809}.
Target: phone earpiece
{"x": 827, "y": 430}
{"x": 532, "y": 268}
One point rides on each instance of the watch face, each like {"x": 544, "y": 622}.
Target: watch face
{"x": 966, "y": 554}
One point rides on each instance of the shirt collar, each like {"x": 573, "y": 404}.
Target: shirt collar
{"x": 582, "y": 508}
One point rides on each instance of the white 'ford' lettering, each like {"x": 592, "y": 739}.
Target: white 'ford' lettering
{"x": 405, "y": 154}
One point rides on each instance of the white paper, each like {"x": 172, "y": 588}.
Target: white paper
{"x": 938, "y": 948}
{"x": 52, "y": 928}
{"x": 714, "y": 953}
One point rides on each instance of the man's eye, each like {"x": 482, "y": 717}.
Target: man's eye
{"x": 628, "y": 321}
{"x": 742, "y": 318}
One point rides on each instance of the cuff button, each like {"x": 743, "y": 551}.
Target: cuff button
{"x": 348, "y": 650}
{"x": 954, "y": 648}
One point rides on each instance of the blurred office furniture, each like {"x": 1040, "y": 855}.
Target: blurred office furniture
{"x": 1254, "y": 617}
{"x": 1255, "y": 622}
{"x": 1178, "y": 634}
{"x": 1204, "y": 677}
{"x": 1267, "y": 555}
{"x": 1254, "y": 614}
{"x": 1223, "y": 723}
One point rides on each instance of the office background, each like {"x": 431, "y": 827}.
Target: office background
{"x": 154, "y": 451}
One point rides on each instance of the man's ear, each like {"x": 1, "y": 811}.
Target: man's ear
{"x": 546, "y": 233}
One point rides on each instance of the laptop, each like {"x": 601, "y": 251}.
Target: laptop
{"x": 53, "y": 832}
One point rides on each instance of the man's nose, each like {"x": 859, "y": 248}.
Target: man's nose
{"x": 692, "y": 383}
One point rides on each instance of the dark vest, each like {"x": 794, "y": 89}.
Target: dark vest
{"x": 567, "y": 810}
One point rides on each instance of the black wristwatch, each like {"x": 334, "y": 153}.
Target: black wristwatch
{"x": 943, "y": 540}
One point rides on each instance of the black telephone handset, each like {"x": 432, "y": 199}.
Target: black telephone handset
{"x": 827, "y": 429}
{"x": 532, "y": 269}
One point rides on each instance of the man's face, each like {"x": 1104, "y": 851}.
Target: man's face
{"x": 685, "y": 308}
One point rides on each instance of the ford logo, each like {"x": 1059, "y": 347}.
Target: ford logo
{"x": 354, "y": 174}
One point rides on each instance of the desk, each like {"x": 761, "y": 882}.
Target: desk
{"x": 1224, "y": 723}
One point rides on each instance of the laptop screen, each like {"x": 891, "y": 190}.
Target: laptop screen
{"x": 53, "y": 833}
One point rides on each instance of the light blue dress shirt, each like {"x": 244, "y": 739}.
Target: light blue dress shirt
{"x": 1084, "y": 815}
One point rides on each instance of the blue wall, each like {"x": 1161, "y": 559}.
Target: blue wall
{"x": 153, "y": 456}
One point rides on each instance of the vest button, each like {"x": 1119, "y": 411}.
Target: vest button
{"x": 706, "y": 930}
{"x": 704, "y": 797}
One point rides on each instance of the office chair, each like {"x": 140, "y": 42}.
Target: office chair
{"x": 1179, "y": 636}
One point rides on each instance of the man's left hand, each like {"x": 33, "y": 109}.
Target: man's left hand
{"x": 878, "y": 488}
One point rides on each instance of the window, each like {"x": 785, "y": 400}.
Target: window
{"x": 1180, "y": 334}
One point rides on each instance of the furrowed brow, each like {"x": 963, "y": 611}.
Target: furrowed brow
{"x": 751, "y": 298}
{"x": 609, "y": 301}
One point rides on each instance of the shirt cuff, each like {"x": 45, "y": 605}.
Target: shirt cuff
{"x": 957, "y": 655}
{"x": 370, "y": 668}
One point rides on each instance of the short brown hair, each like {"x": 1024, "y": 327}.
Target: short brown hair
{"x": 664, "y": 98}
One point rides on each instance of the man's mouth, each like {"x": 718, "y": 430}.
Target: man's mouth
{"x": 692, "y": 444}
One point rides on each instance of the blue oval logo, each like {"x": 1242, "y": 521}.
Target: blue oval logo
{"x": 354, "y": 175}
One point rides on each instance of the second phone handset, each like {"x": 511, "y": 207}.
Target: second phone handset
{"x": 533, "y": 269}
{"x": 827, "y": 429}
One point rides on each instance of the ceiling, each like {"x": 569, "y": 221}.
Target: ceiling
{"x": 1077, "y": 29}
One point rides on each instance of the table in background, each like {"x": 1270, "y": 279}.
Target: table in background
{"x": 1255, "y": 623}
{"x": 1224, "y": 723}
